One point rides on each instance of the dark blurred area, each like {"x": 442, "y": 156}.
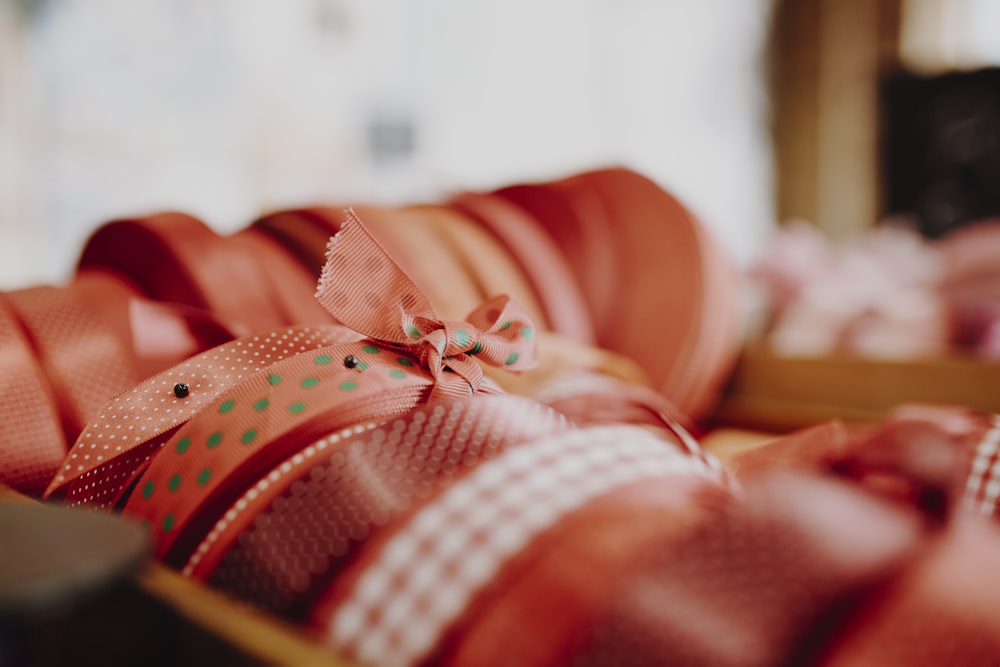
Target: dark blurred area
{"x": 885, "y": 110}
{"x": 886, "y": 136}
{"x": 941, "y": 142}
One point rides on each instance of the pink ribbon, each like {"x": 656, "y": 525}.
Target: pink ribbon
{"x": 366, "y": 290}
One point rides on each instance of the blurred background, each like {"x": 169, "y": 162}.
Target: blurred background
{"x": 225, "y": 108}
{"x": 754, "y": 112}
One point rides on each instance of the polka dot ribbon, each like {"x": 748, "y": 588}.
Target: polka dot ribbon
{"x": 31, "y": 442}
{"x": 260, "y": 421}
{"x": 324, "y": 502}
{"x": 419, "y": 582}
{"x": 128, "y": 432}
{"x": 362, "y": 287}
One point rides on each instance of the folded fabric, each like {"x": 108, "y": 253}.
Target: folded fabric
{"x": 361, "y": 480}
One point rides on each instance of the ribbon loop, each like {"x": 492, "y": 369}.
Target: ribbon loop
{"x": 365, "y": 289}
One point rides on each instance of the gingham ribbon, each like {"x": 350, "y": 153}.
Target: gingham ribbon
{"x": 425, "y": 576}
{"x": 982, "y": 488}
{"x": 365, "y": 289}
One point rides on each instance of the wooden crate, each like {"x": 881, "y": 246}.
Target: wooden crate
{"x": 777, "y": 393}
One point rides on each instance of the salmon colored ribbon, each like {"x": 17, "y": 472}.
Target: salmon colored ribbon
{"x": 366, "y": 290}
{"x": 131, "y": 428}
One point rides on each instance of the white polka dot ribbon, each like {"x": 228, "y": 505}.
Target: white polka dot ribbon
{"x": 323, "y": 503}
{"x": 113, "y": 445}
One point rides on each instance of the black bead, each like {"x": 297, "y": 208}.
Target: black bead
{"x": 181, "y": 390}
{"x": 350, "y": 361}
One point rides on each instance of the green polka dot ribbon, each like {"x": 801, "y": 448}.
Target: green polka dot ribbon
{"x": 304, "y": 395}
{"x": 389, "y": 308}
{"x": 150, "y": 409}
{"x": 406, "y": 351}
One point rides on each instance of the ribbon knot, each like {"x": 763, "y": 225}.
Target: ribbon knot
{"x": 366, "y": 290}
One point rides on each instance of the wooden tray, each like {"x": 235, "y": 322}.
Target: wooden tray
{"x": 776, "y": 393}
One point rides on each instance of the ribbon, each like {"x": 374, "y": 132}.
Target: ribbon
{"x": 32, "y": 444}
{"x": 352, "y": 485}
{"x": 129, "y": 431}
{"x": 540, "y": 260}
{"x": 366, "y": 290}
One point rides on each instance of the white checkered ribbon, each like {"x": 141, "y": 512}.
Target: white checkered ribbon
{"x": 982, "y": 489}
{"x": 569, "y": 385}
{"x": 425, "y": 576}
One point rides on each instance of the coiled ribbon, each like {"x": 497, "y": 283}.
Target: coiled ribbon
{"x": 365, "y": 289}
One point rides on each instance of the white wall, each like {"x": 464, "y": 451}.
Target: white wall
{"x": 938, "y": 35}
{"x": 223, "y": 108}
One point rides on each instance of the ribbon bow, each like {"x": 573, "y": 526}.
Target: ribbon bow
{"x": 366, "y": 290}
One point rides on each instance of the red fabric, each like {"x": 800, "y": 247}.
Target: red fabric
{"x": 545, "y": 604}
{"x": 412, "y": 583}
{"x": 815, "y": 448}
{"x": 273, "y": 409}
{"x": 945, "y": 456}
{"x": 942, "y": 610}
{"x": 287, "y": 284}
{"x": 86, "y": 360}
{"x": 586, "y": 241}
{"x": 766, "y": 584}
{"x": 539, "y": 259}
{"x": 164, "y": 335}
{"x": 410, "y": 236}
{"x": 262, "y": 420}
{"x": 659, "y": 288}
{"x": 304, "y": 232}
{"x": 324, "y": 501}
{"x": 176, "y": 258}
{"x": 487, "y": 265}
{"x": 32, "y": 443}
{"x": 216, "y": 476}
{"x": 590, "y": 398}
{"x": 366, "y": 290}
{"x": 335, "y": 475}
{"x": 132, "y": 427}
{"x": 676, "y": 309}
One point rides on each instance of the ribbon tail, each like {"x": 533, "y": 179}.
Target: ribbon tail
{"x": 508, "y": 335}
{"x": 365, "y": 289}
{"x": 463, "y": 379}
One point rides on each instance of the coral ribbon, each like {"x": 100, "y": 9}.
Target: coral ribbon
{"x": 366, "y": 290}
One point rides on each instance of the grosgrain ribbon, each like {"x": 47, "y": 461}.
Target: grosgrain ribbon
{"x": 404, "y": 362}
{"x": 129, "y": 430}
{"x": 431, "y": 569}
{"x": 365, "y": 289}
{"x": 32, "y": 444}
{"x": 324, "y": 502}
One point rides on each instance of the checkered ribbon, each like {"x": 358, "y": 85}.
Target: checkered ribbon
{"x": 426, "y": 575}
{"x": 323, "y": 503}
{"x": 587, "y": 397}
{"x": 364, "y": 288}
{"x": 982, "y": 489}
